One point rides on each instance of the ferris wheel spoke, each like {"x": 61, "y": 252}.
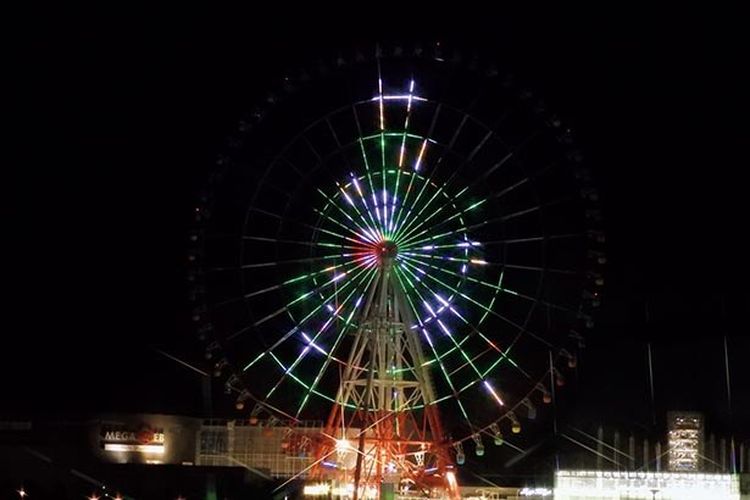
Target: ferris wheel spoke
{"x": 482, "y": 178}
{"x": 297, "y": 379}
{"x": 401, "y": 155}
{"x": 507, "y": 241}
{"x": 314, "y": 229}
{"x": 491, "y": 311}
{"x": 474, "y": 329}
{"x": 405, "y": 232}
{"x": 501, "y": 218}
{"x": 485, "y": 283}
{"x": 405, "y": 199}
{"x": 433, "y": 213}
{"x": 499, "y": 194}
{"x": 307, "y": 317}
{"x": 473, "y": 359}
{"x": 327, "y": 361}
{"x": 360, "y": 255}
{"x": 371, "y": 225}
{"x": 443, "y": 371}
{"x": 264, "y": 239}
{"x": 371, "y": 183}
{"x": 360, "y": 236}
{"x": 405, "y": 228}
{"x": 311, "y": 341}
{"x": 368, "y": 263}
{"x": 426, "y": 181}
{"x": 446, "y": 330}
{"x": 301, "y": 277}
{"x": 531, "y": 239}
{"x": 367, "y": 233}
{"x": 362, "y": 149}
{"x": 379, "y": 223}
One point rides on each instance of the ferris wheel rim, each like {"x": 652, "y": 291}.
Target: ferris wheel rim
{"x": 536, "y": 300}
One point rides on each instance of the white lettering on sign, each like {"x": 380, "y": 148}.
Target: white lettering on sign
{"x": 127, "y": 436}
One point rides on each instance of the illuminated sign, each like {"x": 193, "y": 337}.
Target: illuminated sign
{"x": 143, "y": 440}
{"x": 535, "y": 492}
{"x": 585, "y": 485}
{"x": 140, "y": 448}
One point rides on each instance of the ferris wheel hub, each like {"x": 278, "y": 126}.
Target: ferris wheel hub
{"x": 387, "y": 250}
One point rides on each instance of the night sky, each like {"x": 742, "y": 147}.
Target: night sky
{"x": 115, "y": 120}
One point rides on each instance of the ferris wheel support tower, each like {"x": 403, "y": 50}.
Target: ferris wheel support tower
{"x": 385, "y": 382}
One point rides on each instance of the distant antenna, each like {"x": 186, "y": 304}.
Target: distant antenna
{"x": 650, "y": 370}
{"x": 732, "y": 461}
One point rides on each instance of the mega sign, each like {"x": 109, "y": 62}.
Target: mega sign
{"x": 143, "y": 440}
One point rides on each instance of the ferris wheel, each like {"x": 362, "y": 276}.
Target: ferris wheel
{"x": 403, "y": 245}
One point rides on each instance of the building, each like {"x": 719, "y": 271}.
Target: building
{"x": 685, "y": 438}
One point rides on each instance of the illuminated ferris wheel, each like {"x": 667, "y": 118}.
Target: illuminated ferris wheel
{"x": 402, "y": 245}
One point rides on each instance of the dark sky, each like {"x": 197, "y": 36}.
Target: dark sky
{"x": 115, "y": 119}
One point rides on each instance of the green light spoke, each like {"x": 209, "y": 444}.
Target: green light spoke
{"x": 382, "y": 147}
{"x": 301, "y": 277}
{"x": 303, "y": 224}
{"x": 446, "y": 330}
{"x": 402, "y": 152}
{"x": 425, "y": 183}
{"x": 305, "y": 296}
{"x": 404, "y": 201}
{"x": 407, "y": 238}
{"x": 372, "y": 225}
{"x": 363, "y": 199}
{"x": 408, "y": 234}
{"x": 435, "y": 354}
{"x": 347, "y": 324}
{"x": 405, "y": 228}
{"x": 369, "y": 232}
{"x": 362, "y": 237}
{"x": 300, "y": 382}
{"x": 473, "y": 359}
{"x": 370, "y": 181}
{"x": 446, "y": 258}
{"x": 397, "y": 134}
{"x": 480, "y": 179}
{"x": 494, "y": 313}
{"x": 487, "y": 284}
{"x": 309, "y": 315}
{"x": 304, "y": 243}
{"x": 503, "y": 218}
{"x": 497, "y": 195}
{"x": 303, "y": 260}
{"x": 474, "y": 329}
{"x": 463, "y": 276}
{"x": 327, "y": 324}
{"x": 503, "y": 353}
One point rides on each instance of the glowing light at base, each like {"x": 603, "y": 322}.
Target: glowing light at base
{"x": 331, "y": 490}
